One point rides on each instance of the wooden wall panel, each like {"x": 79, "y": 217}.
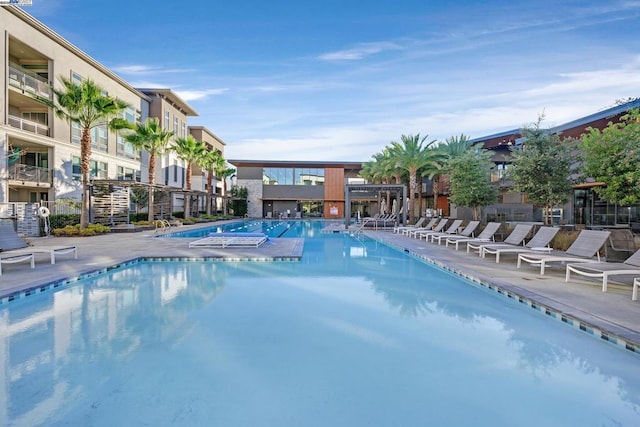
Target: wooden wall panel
{"x": 334, "y": 192}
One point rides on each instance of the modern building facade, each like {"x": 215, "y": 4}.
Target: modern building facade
{"x": 284, "y": 188}
{"x": 40, "y": 153}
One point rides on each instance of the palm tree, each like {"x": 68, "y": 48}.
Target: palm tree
{"x": 152, "y": 138}
{"x": 210, "y": 162}
{"x": 189, "y": 150}
{"x": 86, "y": 104}
{"x": 225, "y": 173}
{"x": 411, "y": 155}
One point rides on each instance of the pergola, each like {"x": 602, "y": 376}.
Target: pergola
{"x": 398, "y": 191}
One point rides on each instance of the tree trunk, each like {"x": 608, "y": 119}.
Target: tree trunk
{"x": 152, "y": 180}
{"x": 209, "y": 191}
{"x": 187, "y": 194}
{"x": 85, "y": 168}
{"x": 412, "y": 193}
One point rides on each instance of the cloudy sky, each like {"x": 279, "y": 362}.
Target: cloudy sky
{"x": 338, "y": 80}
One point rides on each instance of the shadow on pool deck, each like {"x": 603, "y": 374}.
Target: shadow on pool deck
{"x": 579, "y": 301}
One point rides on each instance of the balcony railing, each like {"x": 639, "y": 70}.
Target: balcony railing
{"x": 30, "y": 174}
{"x": 29, "y": 82}
{"x": 28, "y": 125}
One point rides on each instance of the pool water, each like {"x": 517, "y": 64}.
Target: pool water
{"x": 356, "y": 334}
{"x": 282, "y": 229}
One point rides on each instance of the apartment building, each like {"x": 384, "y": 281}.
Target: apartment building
{"x": 40, "y": 153}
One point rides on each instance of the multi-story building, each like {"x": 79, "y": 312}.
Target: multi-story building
{"x": 40, "y": 153}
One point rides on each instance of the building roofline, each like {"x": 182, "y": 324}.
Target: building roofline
{"x": 604, "y": 114}
{"x": 172, "y": 97}
{"x": 291, "y": 163}
{"x": 206, "y": 130}
{"x": 33, "y": 22}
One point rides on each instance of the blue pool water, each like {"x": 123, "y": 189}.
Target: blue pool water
{"x": 270, "y": 228}
{"x": 356, "y": 334}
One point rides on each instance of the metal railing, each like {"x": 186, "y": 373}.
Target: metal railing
{"x": 62, "y": 206}
{"x": 29, "y": 82}
{"x": 28, "y": 125}
{"x": 31, "y": 174}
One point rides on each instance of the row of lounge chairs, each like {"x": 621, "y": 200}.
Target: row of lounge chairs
{"x": 13, "y": 249}
{"x": 581, "y": 258}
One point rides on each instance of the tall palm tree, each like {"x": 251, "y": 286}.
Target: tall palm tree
{"x": 152, "y": 138}
{"x": 189, "y": 150}
{"x": 85, "y": 103}
{"x": 411, "y": 155}
{"x": 225, "y": 172}
{"x": 210, "y": 161}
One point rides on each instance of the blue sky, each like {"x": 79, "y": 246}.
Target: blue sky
{"x": 339, "y": 80}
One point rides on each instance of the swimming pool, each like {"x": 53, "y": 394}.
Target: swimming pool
{"x": 357, "y": 333}
{"x": 272, "y": 228}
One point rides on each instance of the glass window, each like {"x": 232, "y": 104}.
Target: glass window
{"x": 99, "y": 138}
{"x": 184, "y": 130}
{"x": 76, "y": 133}
{"x": 124, "y": 148}
{"x": 293, "y": 176}
{"x": 167, "y": 120}
{"x": 76, "y": 171}
{"x": 127, "y": 174}
{"x": 175, "y": 126}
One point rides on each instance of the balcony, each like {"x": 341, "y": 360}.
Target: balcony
{"x": 29, "y": 83}
{"x": 28, "y": 125}
{"x": 29, "y": 176}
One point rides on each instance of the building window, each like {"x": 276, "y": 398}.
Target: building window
{"x": 293, "y": 176}
{"x": 184, "y": 130}
{"x": 124, "y": 148}
{"x": 167, "y": 121}
{"x": 98, "y": 170}
{"x": 127, "y": 174}
{"x": 175, "y": 126}
{"x": 99, "y": 138}
{"x": 76, "y": 133}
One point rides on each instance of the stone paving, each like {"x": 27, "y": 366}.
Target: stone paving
{"x": 580, "y": 300}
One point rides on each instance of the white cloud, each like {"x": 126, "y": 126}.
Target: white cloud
{"x": 193, "y": 95}
{"x": 360, "y": 51}
{"x": 138, "y": 69}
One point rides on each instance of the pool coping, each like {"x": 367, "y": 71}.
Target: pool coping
{"x": 598, "y": 327}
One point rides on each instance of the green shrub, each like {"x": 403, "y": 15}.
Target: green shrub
{"x": 60, "y": 221}
{"x": 75, "y": 231}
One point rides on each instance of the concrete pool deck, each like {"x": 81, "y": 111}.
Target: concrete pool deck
{"x": 580, "y": 302}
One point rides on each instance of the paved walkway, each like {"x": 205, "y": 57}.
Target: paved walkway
{"x": 579, "y": 301}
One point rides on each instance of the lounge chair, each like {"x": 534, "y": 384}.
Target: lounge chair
{"x": 583, "y": 249}
{"x": 539, "y": 242}
{"x": 515, "y": 238}
{"x": 429, "y": 226}
{"x": 485, "y": 236}
{"x": 436, "y": 229}
{"x": 452, "y": 229}
{"x": 467, "y": 232}
{"x": 630, "y": 266}
{"x": 403, "y": 227}
{"x": 15, "y": 249}
{"x": 230, "y": 240}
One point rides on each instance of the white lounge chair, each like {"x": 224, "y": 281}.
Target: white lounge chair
{"x": 452, "y": 229}
{"x": 429, "y": 226}
{"x": 15, "y": 249}
{"x": 539, "y": 242}
{"x": 583, "y": 249}
{"x": 603, "y": 270}
{"x": 516, "y": 237}
{"x": 418, "y": 224}
{"x": 436, "y": 229}
{"x": 485, "y": 236}
{"x": 467, "y": 232}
